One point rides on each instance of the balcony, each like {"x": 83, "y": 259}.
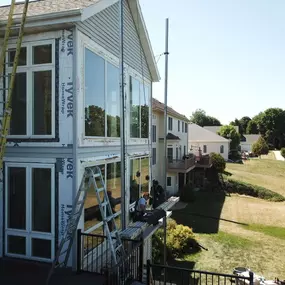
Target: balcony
{"x": 181, "y": 165}
{"x": 204, "y": 161}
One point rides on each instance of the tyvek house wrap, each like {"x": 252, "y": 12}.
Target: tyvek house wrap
{"x": 66, "y": 53}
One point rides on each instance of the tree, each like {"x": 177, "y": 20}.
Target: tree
{"x": 283, "y": 151}
{"x": 230, "y": 133}
{"x": 200, "y": 118}
{"x": 244, "y": 121}
{"x": 260, "y": 147}
{"x": 252, "y": 128}
{"x": 218, "y": 162}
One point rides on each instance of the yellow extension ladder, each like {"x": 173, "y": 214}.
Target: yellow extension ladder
{"x": 7, "y": 92}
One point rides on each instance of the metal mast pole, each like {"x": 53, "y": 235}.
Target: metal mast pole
{"x": 122, "y": 122}
{"x": 165, "y": 133}
{"x": 166, "y": 53}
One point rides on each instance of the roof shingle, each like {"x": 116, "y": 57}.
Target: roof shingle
{"x": 42, "y": 7}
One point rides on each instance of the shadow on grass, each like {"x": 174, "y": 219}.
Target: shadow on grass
{"x": 204, "y": 214}
{"x": 176, "y": 275}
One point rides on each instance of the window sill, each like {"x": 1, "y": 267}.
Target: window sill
{"x": 12, "y": 139}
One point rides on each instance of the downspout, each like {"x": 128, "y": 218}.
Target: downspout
{"x": 75, "y": 135}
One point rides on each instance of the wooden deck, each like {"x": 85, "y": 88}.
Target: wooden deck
{"x": 19, "y": 272}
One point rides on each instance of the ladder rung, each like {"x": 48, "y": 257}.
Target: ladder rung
{"x": 96, "y": 175}
{"x": 101, "y": 189}
{"x": 104, "y": 204}
{"x": 65, "y": 251}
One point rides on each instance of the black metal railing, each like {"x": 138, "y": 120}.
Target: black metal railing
{"x": 94, "y": 256}
{"x": 183, "y": 276}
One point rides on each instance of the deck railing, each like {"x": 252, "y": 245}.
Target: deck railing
{"x": 181, "y": 164}
{"x": 94, "y": 256}
{"x": 183, "y": 276}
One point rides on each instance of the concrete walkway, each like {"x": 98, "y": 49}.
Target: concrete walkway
{"x": 278, "y": 155}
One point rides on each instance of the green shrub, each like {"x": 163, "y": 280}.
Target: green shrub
{"x": 218, "y": 162}
{"x": 180, "y": 240}
{"x": 242, "y": 188}
{"x": 187, "y": 194}
{"x": 260, "y": 147}
{"x": 283, "y": 151}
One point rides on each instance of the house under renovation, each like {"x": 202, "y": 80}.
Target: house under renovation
{"x": 66, "y": 117}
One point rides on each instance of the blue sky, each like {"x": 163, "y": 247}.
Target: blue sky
{"x": 226, "y": 56}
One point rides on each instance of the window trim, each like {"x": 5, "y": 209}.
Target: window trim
{"x": 205, "y": 148}
{"x": 222, "y": 148}
{"x": 29, "y": 69}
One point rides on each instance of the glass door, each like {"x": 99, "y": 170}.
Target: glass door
{"x": 29, "y": 229}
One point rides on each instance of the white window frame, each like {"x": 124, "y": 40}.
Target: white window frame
{"x": 93, "y": 228}
{"x": 28, "y": 233}
{"x": 29, "y": 69}
{"x": 131, "y": 205}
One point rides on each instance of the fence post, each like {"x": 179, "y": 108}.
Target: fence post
{"x": 78, "y": 257}
{"x": 148, "y": 272}
{"x": 141, "y": 259}
{"x": 250, "y": 277}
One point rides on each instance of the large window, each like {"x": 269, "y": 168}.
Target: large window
{"x": 139, "y": 178}
{"x": 92, "y": 217}
{"x": 33, "y": 95}
{"x": 139, "y": 105}
{"x": 102, "y": 97}
{"x": 170, "y": 122}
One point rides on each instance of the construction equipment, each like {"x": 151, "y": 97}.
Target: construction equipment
{"x": 5, "y": 118}
{"x": 92, "y": 177}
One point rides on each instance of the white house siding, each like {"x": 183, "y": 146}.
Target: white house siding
{"x": 158, "y": 168}
{"x": 211, "y": 147}
{"x": 245, "y": 146}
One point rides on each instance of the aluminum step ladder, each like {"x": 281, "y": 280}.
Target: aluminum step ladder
{"x": 63, "y": 252}
{"x": 7, "y": 93}
{"x": 114, "y": 239}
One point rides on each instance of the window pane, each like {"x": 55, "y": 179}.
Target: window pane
{"x": 144, "y": 102}
{"x": 41, "y": 248}
{"x": 92, "y": 215}
{"x": 41, "y": 200}
{"x": 94, "y": 95}
{"x": 114, "y": 183}
{"x": 22, "y": 57}
{"x": 135, "y": 108}
{"x": 113, "y": 101}
{"x": 42, "y": 54}
{"x": 42, "y": 103}
{"x": 144, "y": 175}
{"x": 134, "y": 179}
{"x": 19, "y": 105}
{"x": 17, "y": 245}
{"x": 17, "y": 198}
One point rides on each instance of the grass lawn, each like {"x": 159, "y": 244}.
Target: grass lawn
{"x": 265, "y": 172}
{"x": 238, "y": 231}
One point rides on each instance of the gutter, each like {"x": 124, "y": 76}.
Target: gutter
{"x": 48, "y": 17}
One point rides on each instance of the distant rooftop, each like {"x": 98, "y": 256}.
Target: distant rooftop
{"x": 159, "y": 106}
{"x": 42, "y": 7}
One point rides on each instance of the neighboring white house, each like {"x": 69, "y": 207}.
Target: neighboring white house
{"x": 66, "y": 117}
{"x": 247, "y": 142}
{"x": 201, "y": 139}
{"x": 177, "y": 147}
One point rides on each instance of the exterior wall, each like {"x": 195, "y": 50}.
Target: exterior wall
{"x": 211, "y": 147}
{"x": 245, "y": 146}
{"x": 103, "y": 28}
{"x": 158, "y": 169}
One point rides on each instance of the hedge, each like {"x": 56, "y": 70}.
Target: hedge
{"x": 180, "y": 240}
{"x": 243, "y": 188}
{"x": 283, "y": 151}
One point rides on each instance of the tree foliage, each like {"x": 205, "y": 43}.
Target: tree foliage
{"x": 200, "y": 118}
{"x": 283, "y": 151}
{"x": 230, "y": 133}
{"x": 252, "y": 128}
{"x": 218, "y": 162}
{"x": 242, "y": 124}
{"x": 260, "y": 147}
